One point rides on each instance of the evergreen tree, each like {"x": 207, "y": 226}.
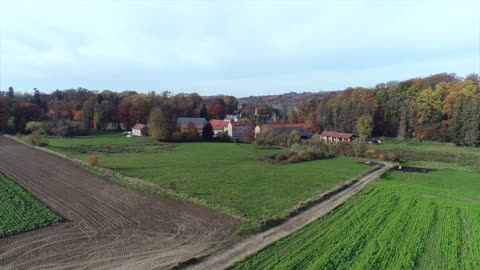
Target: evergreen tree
{"x": 204, "y": 111}
{"x": 207, "y": 132}
{"x": 11, "y": 92}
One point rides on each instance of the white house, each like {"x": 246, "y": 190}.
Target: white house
{"x": 336, "y": 137}
{"x": 219, "y": 126}
{"x": 140, "y": 130}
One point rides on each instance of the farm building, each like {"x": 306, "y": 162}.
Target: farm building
{"x": 240, "y": 129}
{"x": 335, "y": 137}
{"x": 185, "y": 123}
{"x": 219, "y": 126}
{"x": 140, "y": 130}
{"x": 288, "y": 128}
{"x": 190, "y": 125}
{"x": 181, "y": 121}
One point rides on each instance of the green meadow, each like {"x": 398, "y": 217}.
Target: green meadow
{"x": 224, "y": 175}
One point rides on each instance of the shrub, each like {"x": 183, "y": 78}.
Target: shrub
{"x": 93, "y": 160}
{"x": 294, "y": 158}
{"x": 372, "y": 153}
{"x": 317, "y": 140}
{"x": 266, "y": 137}
{"x": 65, "y": 127}
{"x": 37, "y": 136}
{"x": 293, "y": 138}
{"x": 172, "y": 186}
{"x": 223, "y": 137}
{"x": 391, "y": 156}
{"x": 306, "y": 155}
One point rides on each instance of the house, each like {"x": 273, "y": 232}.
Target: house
{"x": 233, "y": 117}
{"x": 219, "y": 126}
{"x": 240, "y": 129}
{"x": 279, "y": 128}
{"x": 335, "y": 137}
{"x": 140, "y": 130}
{"x": 186, "y": 127}
{"x": 182, "y": 121}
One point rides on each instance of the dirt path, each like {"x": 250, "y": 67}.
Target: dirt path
{"x": 107, "y": 226}
{"x": 255, "y": 243}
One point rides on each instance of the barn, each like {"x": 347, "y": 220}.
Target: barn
{"x": 335, "y": 137}
{"x": 279, "y": 128}
{"x": 140, "y": 130}
{"x": 197, "y": 121}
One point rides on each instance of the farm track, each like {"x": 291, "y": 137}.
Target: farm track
{"x": 254, "y": 243}
{"x": 106, "y": 226}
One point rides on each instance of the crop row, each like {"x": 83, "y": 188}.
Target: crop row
{"x": 19, "y": 211}
{"x": 391, "y": 225}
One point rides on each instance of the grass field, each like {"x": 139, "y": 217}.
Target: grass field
{"x": 222, "y": 174}
{"x": 406, "y": 221}
{"x": 413, "y": 151}
{"x": 19, "y": 211}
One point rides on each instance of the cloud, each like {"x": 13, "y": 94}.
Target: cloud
{"x": 236, "y": 47}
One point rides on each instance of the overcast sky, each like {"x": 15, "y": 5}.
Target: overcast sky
{"x": 240, "y": 48}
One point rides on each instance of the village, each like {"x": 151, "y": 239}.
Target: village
{"x": 240, "y": 129}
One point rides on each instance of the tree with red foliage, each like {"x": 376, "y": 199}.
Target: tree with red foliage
{"x": 123, "y": 113}
{"x": 23, "y": 113}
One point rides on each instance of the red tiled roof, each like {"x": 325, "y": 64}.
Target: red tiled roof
{"x": 242, "y": 122}
{"x": 197, "y": 127}
{"x": 337, "y": 134}
{"x": 280, "y": 126}
{"x": 218, "y": 124}
{"x": 139, "y": 126}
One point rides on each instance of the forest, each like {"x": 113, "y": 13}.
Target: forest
{"x": 442, "y": 107}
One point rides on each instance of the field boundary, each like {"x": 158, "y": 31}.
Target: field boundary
{"x": 254, "y": 243}
{"x": 133, "y": 183}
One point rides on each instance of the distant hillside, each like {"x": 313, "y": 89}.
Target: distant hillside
{"x": 291, "y": 99}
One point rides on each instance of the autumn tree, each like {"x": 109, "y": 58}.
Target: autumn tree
{"x": 230, "y": 104}
{"x": 364, "y": 126}
{"x": 429, "y": 106}
{"x": 160, "y": 125}
{"x": 4, "y": 113}
{"x": 24, "y": 113}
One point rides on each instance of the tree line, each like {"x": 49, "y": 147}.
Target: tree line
{"x": 441, "y": 107}
{"x": 78, "y": 111}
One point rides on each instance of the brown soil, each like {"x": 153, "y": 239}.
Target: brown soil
{"x": 107, "y": 226}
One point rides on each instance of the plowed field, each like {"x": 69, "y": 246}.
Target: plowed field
{"x": 106, "y": 226}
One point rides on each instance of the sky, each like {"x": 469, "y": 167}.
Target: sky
{"x": 240, "y": 48}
